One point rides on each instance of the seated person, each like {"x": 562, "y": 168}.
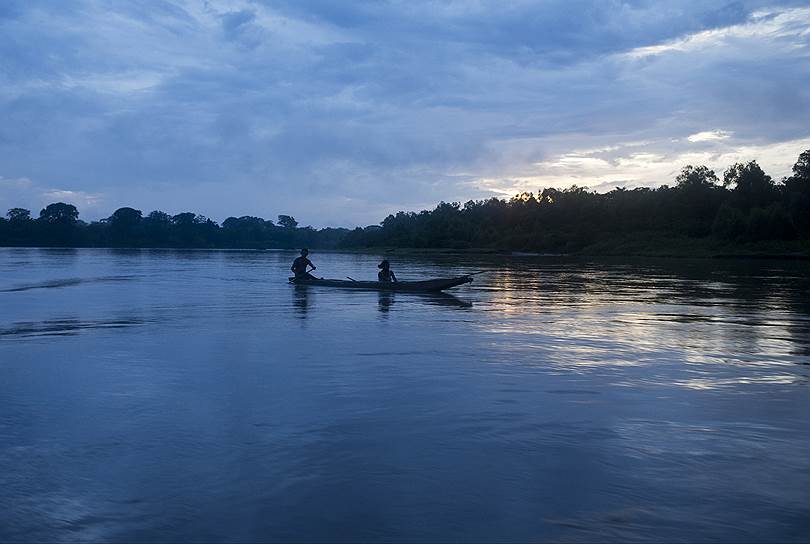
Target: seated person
{"x": 385, "y": 273}
{"x": 300, "y": 264}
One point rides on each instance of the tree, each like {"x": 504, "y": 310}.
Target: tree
{"x": 751, "y": 186}
{"x": 59, "y": 213}
{"x": 157, "y": 228}
{"x": 771, "y": 223}
{"x": 797, "y": 194}
{"x": 693, "y": 177}
{"x": 59, "y": 222}
{"x": 287, "y": 221}
{"x": 19, "y": 229}
{"x": 697, "y": 200}
{"x": 801, "y": 169}
{"x": 125, "y": 218}
{"x": 124, "y": 223}
{"x": 18, "y": 215}
{"x": 730, "y": 223}
{"x": 246, "y": 231}
{"x": 187, "y": 218}
{"x": 158, "y": 217}
{"x": 192, "y": 230}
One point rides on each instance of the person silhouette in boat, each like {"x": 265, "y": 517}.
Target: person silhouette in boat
{"x": 300, "y": 264}
{"x": 385, "y": 274}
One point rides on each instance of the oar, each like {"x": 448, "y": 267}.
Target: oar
{"x": 351, "y": 278}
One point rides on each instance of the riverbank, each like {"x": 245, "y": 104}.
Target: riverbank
{"x": 683, "y": 247}
{"x": 639, "y": 246}
{"x": 628, "y": 246}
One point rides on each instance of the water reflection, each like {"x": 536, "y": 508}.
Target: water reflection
{"x": 303, "y": 295}
{"x": 384, "y": 301}
{"x": 301, "y": 300}
{"x": 713, "y": 324}
{"x": 447, "y": 300}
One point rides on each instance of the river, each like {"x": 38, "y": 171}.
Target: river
{"x": 162, "y": 395}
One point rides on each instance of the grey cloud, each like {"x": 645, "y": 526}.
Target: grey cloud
{"x": 237, "y": 27}
{"x": 553, "y": 31}
{"x": 362, "y": 108}
{"x": 234, "y": 20}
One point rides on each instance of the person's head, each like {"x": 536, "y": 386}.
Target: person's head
{"x": 385, "y": 265}
{"x": 304, "y": 252}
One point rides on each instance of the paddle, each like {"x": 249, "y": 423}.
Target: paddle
{"x": 351, "y": 278}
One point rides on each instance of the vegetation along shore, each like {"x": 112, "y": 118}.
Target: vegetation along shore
{"x": 744, "y": 212}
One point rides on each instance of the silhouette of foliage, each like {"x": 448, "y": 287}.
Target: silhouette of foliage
{"x": 696, "y": 177}
{"x": 125, "y": 227}
{"x": 797, "y": 195}
{"x": 287, "y": 221}
{"x": 59, "y": 214}
{"x": 59, "y": 223}
{"x": 18, "y": 214}
{"x": 747, "y": 206}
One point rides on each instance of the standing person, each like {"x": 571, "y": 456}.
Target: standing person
{"x": 300, "y": 264}
{"x": 385, "y": 273}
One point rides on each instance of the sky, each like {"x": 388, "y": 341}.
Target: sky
{"x": 339, "y": 112}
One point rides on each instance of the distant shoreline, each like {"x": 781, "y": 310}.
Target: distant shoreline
{"x": 748, "y": 215}
{"x": 691, "y": 249}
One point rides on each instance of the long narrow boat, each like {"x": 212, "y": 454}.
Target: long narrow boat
{"x": 425, "y": 286}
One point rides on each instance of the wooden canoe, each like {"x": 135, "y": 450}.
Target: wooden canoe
{"x": 424, "y": 286}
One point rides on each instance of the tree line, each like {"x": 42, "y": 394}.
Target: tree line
{"x": 58, "y": 225}
{"x": 745, "y": 205}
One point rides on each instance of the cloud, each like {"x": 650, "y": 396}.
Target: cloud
{"x": 25, "y": 193}
{"x": 79, "y": 198}
{"x": 709, "y": 136}
{"x": 234, "y": 22}
{"x": 657, "y": 163}
{"x": 340, "y": 113}
{"x": 768, "y": 24}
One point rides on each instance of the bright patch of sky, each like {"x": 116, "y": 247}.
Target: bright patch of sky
{"x": 341, "y": 112}
{"x": 709, "y": 135}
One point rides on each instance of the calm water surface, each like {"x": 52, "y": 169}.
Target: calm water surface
{"x": 167, "y": 395}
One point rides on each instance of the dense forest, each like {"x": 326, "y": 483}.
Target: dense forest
{"x": 59, "y": 225}
{"x": 745, "y": 206}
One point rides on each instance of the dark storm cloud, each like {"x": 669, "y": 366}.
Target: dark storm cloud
{"x": 343, "y": 112}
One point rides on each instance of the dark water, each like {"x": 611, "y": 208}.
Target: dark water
{"x": 168, "y": 395}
